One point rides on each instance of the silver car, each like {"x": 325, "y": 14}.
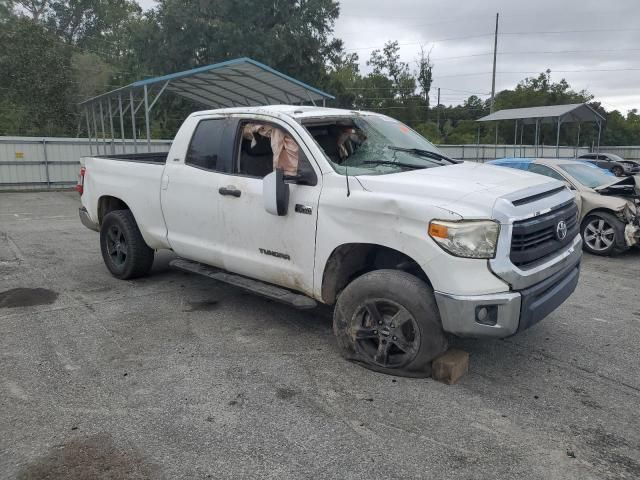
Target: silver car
{"x": 609, "y": 207}
{"x": 612, "y": 162}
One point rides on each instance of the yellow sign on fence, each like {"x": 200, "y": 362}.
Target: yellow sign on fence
{"x": 19, "y": 154}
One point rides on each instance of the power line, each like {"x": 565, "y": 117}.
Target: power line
{"x": 554, "y": 32}
{"x": 535, "y": 71}
{"x": 423, "y": 42}
{"x": 549, "y": 32}
{"x": 540, "y": 52}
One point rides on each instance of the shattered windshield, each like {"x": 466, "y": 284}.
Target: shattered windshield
{"x": 587, "y": 176}
{"x": 374, "y": 145}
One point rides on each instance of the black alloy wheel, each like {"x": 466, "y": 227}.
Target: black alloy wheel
{"x": 386, "y": 333}
{"x": 116, "y": 245}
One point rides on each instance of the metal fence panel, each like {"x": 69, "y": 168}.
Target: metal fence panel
{"x": 34, "y": 162}
{"x": 482, "y": 153}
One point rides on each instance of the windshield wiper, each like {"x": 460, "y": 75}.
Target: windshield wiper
{"x": 422, "y": 153}
{"x": 389, "y": 162}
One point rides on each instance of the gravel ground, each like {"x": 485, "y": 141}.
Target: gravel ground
{"x": 176, "y": 376}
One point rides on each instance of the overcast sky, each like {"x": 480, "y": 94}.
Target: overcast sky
{"x": 598, "y": 40}
{"x": 594, "y": 44}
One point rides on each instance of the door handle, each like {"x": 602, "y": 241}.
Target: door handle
{"x": 233, "y": 191}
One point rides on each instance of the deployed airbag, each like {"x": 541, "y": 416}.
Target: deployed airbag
{"x": 285, "y": 149}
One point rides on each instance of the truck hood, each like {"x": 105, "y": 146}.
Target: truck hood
{"x": 469, "y": 189}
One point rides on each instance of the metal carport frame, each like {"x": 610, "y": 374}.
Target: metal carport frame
{"x": 570, "y": 113}
{"x": 234, "y": 83}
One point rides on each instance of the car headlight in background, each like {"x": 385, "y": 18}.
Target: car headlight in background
{"x": 468, "y": 238}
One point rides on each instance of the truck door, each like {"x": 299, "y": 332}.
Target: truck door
{"x": 189, "y": 193}
{"x": 275, "y": 249}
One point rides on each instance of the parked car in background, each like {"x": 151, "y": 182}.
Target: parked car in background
{"x": 612, "y": 162}
{"x": 608, "y": 207}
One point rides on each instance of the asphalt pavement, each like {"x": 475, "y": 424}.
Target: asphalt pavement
{"x": 177, "y": 376}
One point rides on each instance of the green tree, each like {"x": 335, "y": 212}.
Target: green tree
{"x": 6, "y": 9}
{"x": 36, "y": 81}
{"x": 621, "y": 130}
{"x": 99, "y": 25}
{"x": 343, "y": 79}
{"x": 425, "y": 75}
{"x": 289, "y": 35}
{"x": 35, "y": 9}
{"x": 429, "y": 130}
{"x": 387, "y": 63}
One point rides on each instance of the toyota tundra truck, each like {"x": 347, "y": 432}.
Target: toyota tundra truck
{"x": 351, "y": 209}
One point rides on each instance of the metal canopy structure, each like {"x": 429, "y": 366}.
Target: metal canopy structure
{"x": 570, "y": 113}
{"x": 234, "y": 83}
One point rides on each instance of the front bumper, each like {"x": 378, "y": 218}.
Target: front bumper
{"x": 509, "y": 312}
{"x": 86, "y": 220}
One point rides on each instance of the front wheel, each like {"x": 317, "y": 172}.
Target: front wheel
{"x": 388, "y": 321}
{"x": 124, "y": 251}
{"x": 603, "y": 234}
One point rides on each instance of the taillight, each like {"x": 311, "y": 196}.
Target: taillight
{"x": 80, "y": 184}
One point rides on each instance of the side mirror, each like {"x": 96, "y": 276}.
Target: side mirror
{"x": 275, "y": 193}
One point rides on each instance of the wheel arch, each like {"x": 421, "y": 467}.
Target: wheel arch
{"x": 351, "y": 260}
{"x": 597, "y": 210}
{"x": 109, "y": 203}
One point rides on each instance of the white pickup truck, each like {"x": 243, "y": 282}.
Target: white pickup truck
{"x": 346, "y": 208}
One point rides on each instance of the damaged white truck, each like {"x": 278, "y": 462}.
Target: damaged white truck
{"x": 352, "y": 209}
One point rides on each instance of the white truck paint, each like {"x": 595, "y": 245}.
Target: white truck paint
{"x": 177, "y": 206}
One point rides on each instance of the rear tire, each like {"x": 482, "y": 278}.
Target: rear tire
{"x": 388, "y": 321}
{"x": 124, "y": 251}
{"x": 603, "y": 234}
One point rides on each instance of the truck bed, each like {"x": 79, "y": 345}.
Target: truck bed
{"x": 135, "y": 180}
{"x": 147, "y": 157}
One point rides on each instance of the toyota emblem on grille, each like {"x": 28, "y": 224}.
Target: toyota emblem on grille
{"x": 561, "y": 230}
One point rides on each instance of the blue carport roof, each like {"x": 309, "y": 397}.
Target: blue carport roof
{"x": 238, "y": 82}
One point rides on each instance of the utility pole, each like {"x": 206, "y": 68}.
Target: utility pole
{"x": 495, "y": 52}
{"x": 438, "y": 109}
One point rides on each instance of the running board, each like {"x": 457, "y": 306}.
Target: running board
{"x": 263, "y": 289}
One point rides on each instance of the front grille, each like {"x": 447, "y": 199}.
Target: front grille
{"x": 535, "y": 238}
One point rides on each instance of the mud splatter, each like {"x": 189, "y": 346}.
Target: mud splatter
{"x": 206, "y": 306}
{"x": 27, "y": 297}
{"x": 285, "y": 393}
{"x": 95, "y": 457}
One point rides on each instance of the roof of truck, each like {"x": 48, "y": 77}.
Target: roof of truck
{"x": 295, "y": 111}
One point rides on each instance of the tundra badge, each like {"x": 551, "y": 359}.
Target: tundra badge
{"x": 284, "y": 256}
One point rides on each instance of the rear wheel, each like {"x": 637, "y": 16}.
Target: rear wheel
{"x": 388, "y": 321}
{"x": 603, "y": 234}
{"x": 124, "y": 251}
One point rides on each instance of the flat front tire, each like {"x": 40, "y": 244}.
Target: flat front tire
{"x": 388, "y": 321}
{"x": 124, "y": 251}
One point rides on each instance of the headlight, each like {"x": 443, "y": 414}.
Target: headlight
{"x": 468, "y": 238}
